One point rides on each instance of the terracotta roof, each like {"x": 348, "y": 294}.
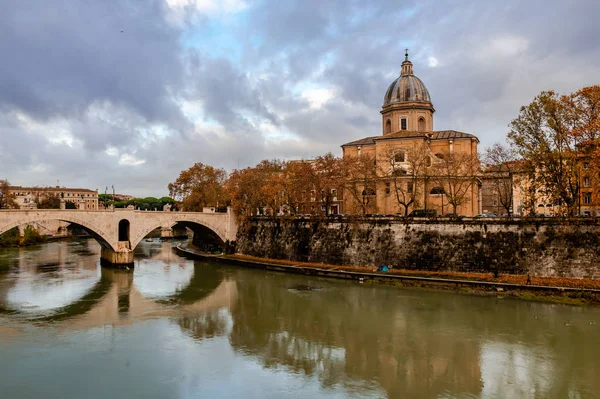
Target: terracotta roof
{"x": 365, "y": 141}
{"x": 402, "y": 134}
{"x": 451, "y": 134}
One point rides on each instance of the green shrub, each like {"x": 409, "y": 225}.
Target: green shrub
{"x": 31, "y": 236}
{"x": 11, "y": 238}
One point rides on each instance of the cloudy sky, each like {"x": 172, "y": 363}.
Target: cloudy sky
{"x": 130, "y": 92}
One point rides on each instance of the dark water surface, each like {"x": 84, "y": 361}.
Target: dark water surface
{"x": 177, "y": 328}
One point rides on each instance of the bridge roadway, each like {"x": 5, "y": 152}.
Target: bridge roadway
{"x": 119, "y": 231}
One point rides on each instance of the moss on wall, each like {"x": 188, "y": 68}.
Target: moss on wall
{"x": 537, "y": 248}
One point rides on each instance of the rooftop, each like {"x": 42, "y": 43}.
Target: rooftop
{"x": 53, "y": 189}
{"x": 404, "y": 134}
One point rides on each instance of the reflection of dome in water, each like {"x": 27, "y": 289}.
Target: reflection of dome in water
{"x": 406, "y": 88}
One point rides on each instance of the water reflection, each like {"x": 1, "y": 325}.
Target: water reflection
{"x": 297, "y": 336}
{"x": 49, "y": 285}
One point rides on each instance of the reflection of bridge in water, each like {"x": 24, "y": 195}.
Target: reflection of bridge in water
{"x": 123, "y": 303}
{"x": 113, "y": 298}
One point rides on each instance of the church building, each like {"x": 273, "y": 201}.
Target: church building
{"x": 413, "y": 166}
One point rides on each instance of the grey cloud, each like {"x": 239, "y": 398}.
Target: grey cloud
{"x": 225, "y": 92}
{"x": 69, "y": 61}
{"x": 60, "y": 57}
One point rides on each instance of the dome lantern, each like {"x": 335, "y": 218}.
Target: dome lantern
{"x": 406, "y": 66}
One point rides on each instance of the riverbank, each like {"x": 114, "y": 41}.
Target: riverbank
{"x": 549, "y": 289}
{"x": 13, "y": 238}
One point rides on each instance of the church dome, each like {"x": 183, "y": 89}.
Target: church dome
{"x": 406, "y": 88}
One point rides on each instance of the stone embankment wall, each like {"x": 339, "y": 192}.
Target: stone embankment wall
{"x": 562, "y": 248}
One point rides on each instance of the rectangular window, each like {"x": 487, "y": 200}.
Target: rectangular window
{"x": 399, "y": 156}
{"x": 587, "y": 198}
{"x": 409, "y": 187}
{"x": 586, "y": 165}
{"x": 403, "y": 124}
{"x": 586, "y": 181}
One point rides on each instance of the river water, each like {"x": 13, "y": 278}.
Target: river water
{"x": 178, "y": 328}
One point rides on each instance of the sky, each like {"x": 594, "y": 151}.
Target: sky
{"x": 128, "y": 93}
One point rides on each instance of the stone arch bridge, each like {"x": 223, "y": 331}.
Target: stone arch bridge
{"x": 119, "y": 231}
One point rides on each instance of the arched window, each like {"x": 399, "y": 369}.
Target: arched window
{"x": 388, "y": 126}
{"x": 427, "y": 161}
{"x": 437, "y": 191}
{"x": 421, "y": 124}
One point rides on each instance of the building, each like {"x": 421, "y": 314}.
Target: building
{"x": 414, "y": 166}
{"x": 518, "y": 186}
{"x": 27, "y": 197}
{"x": 123, "y": 197}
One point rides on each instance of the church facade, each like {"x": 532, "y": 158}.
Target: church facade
{"x": 411, "y": 166}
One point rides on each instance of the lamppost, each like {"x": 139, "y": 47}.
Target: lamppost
{"x": 113, "y": 197}
{"x": 105, "y": 190}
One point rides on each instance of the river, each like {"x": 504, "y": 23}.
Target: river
{"x": 179, "y": 328}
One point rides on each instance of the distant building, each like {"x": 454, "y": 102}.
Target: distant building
{"x": 82, "y": 198}
{"x": 123, "y": 197}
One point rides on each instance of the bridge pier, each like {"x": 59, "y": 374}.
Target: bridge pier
{"x": 121, "y": 258}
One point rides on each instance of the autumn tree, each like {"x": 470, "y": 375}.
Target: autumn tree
{"x": 455, "y": 174}
{"x": 293, "y": 185}
{"x": 360, "y": 176}
{"x": 47, "y": 200}
{"x": 500, "y": 162}
{"x": 198, "y": 187}
{"x": 258, "y": 190}
{"x": 406, "y": 169}
{"x": 7, "y": 199}
{"x": 322, "y": 178}
{"x": 271, "y": 185}
{"x": 585, "y": 104}
{"x": 552, "y": 135}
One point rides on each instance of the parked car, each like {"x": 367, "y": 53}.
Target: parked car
{"x": 486, "y": 215}
{"x": 423, "y": 213}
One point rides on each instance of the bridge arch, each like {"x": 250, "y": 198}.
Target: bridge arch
{"x": 102, "y": 237}
{"x": 196, "y": 226}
